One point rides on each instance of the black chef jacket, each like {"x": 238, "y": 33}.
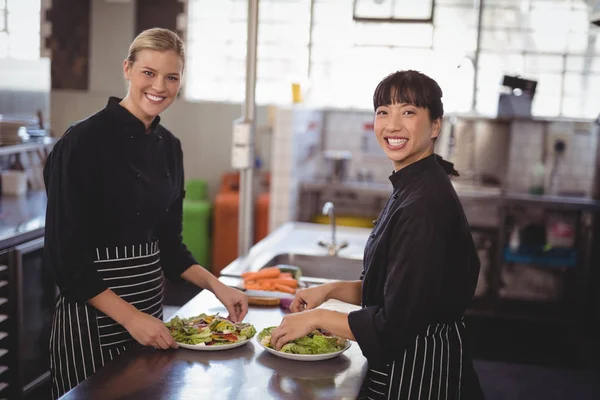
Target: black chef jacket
{"x": 420, "y": 263}
{"x": 111, "y": 183}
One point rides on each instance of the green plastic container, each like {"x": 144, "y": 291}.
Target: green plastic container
{"x": 197, "y": 213}
{"x": 196, "y": 190}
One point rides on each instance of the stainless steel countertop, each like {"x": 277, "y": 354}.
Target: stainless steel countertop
{"x": 22, "y": 218}
{"x": 247, "y": 372}
{"x": 470, "y": 193}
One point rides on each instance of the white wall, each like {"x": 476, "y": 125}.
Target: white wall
{"x": 203, "y": 128}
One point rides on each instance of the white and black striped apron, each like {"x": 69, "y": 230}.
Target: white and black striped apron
{"x": 431, "y": 369}
{"x": 83, "y": 339}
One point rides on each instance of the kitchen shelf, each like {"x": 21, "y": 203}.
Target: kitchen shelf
{"x": 28, "y": 146}
{"x": 553, "y": 313}
{"x": 554, "y": 258}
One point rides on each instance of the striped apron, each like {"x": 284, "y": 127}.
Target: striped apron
{"x": 83, "y": 339}
{"x": 432, "y": 368}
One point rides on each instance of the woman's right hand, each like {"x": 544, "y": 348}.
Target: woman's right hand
{"x": 307, "y": 299}
{"x": 149, "y": 331}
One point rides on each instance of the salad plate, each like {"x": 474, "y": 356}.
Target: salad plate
{"x": 316, "y": 346}
{"x": 204, "y": 347}
{"x": 209, "y": 332}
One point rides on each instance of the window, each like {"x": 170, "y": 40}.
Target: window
{"x": 20, "y": 29}
{"x": 216, "y": 41}
{"x": 339, "y": 60}
{"x": 3, "y": 15}
{"x": 548, "y": 41}
{"x": 349, "y": 58}
{"x": 393, "y": 10}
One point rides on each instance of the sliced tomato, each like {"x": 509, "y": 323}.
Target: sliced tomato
{"x": 230, "y": 337}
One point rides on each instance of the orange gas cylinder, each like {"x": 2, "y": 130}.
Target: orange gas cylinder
{"x": 225, "y": 223}
{"x": 225, "y": 220}
{"x": 261, "y": 217}
{"x": 261, "y": 209}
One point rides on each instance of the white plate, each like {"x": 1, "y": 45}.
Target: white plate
{"x": 305, "y": 357}
{"x": 203, "y": 347}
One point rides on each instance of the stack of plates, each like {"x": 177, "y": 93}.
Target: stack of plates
{"x": 15, "y": 130}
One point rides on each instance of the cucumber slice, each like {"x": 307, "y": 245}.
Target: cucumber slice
{"x": 295, "y": 271}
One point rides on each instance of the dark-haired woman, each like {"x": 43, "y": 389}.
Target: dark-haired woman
{"x": 420, "y": 264}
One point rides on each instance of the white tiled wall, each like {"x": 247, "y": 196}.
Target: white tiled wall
{"x": 297, "y": 142}
{"x": 344, "y": 130}
{"x": 294, "y": 156}
{"x": 525, "y": 151}
{"x": 575, "y": 171}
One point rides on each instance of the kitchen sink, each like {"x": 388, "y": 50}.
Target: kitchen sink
{"x": 323, "y": 267}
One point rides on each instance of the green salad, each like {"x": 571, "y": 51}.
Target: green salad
{"x": 316, "y": 342}
{"x": 209, "y": 330}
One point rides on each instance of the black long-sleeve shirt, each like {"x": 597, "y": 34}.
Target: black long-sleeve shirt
{"x": 109, "y": 183}
{"x": 420, "y": 263}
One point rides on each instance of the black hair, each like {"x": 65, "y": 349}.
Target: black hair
{"x": 418, "y": 89}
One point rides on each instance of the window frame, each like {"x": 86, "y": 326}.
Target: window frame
{"x": 427, "y": 20}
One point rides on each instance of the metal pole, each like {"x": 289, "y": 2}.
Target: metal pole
{"x": 246, "y": 210}
{"x": 310, "y": 37}
{"x": 476, "y": 57}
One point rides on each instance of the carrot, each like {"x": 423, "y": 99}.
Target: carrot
{"x": 280, "y": 281}
{"x": 265, "y": 273}
{"x": 257, "y": 285}
{"x": 284, "y": 288}
{"x": 286, "y": 275}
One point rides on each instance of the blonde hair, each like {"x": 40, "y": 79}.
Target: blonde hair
{"x": 158, "y": 39}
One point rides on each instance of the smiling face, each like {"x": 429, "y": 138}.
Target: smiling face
{"x": 154, "y": 82}
{"x": 405, "y": 133}
{"x": 408, "y": 115}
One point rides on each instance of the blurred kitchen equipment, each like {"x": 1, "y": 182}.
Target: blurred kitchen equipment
{"x": 25, "y": 88}
{"x": 364, "y": 175}
{"x": 14, "y": 183}
{"x": 357, "y": 222}
{"x": 594, "y": 12}
{"x": 533, "y": 234}
{"x": 561, "y": 229}
{"x": 337, "y": 165}
{"x": 559, "y": 151}
{"x": 537, "y": 179}
{"x": 14, "y": 129}
{"x": 296, "y": 93}
{"x": 516, "y": 97}
{"x": 480, "y": 150}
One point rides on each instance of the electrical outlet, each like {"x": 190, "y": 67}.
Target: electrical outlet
{"x": 553, "y": 138}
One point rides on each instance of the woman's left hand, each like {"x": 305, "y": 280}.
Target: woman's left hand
{"x": 234, "y": 300}
{"x": 294, "y": 326}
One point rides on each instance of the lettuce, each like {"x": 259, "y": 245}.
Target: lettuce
{"x": 315, "y": 342}
{"x": 175, "y": 323}
{"x": 191, "y": 335}
{"x": 248, "y": 331}
{"x": 221, "y": 325}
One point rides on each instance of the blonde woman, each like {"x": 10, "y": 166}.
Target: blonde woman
{"x": 115, "y": 187}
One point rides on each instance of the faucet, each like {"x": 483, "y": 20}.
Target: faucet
{"x": 333, "y": 247}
